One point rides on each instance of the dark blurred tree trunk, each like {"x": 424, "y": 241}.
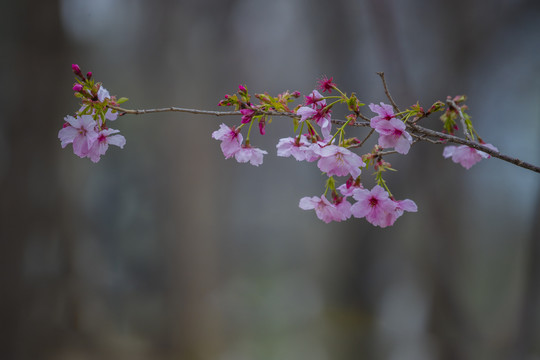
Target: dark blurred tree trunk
{"x": 191, "y": 329}
{"x": 526, "y": 338}
{"x": 29, "y": 190}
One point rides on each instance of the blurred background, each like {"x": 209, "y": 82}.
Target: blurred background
{"x": 165, "y": 250}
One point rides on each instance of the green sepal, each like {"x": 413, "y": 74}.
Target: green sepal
{"x": 437, "y": 106}
{"x": 331, "y": 183}
{"x": 122, "y": 100}
{"x": 296, "y": 122}
{"x": 449, "y": 120}
{"x": 350, "y": 141}
{"x": 353, "y": 103}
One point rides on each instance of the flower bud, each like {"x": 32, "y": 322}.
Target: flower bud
{"x": 351, "y": 118}
{"x": 77, "y": 88}
{"x": 262, "y": 124}
{"x": 89, "y": 75}
{"x": 76, "y": 69}
{"x": 247, "y": 115}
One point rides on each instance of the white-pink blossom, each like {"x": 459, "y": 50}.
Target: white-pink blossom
{"x": 103, "y": 94}
{"x": 315, "y": 98}
{"x": 374, "y": 205}
{"x": 111, "y": 114}
{"x": 251, "y": 154}
{"x": 344, "y": 208}
{"x": 79, "y": 131}
{"x": 317, "y": 111}
{"x": 348, "y": 188}
{"x": 104, "y": 139}
{"x": 401, "y": 206}
{"x": 231, "y": 140}
{"x": 465, "y": 155}
{"x": 392, "y": 134}
{"x": 313, "y": 148}
{"x": 323, "y": 118}
{"x": 305, "y": 113}
{"x": 296, "y": 147}
{"x": 383, "y": 111}
{"x": 339, "y": 161}
{"x": 325, "y": 210}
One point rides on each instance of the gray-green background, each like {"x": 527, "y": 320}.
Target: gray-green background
{"x": 164, "y": 250}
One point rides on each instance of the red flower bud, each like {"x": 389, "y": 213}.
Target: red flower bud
{"x": 76, "y": 69}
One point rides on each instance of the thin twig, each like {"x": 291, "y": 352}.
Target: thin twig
{"x": 452, "y": 104}
{"x": 396, "y": 109}
{"x": 363, "y": 117}
{"x": 367, "y": 137}
{"x": 356, "y": 123}
{"x": 424, "y": 138}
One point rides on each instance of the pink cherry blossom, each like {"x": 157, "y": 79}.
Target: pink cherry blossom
{"x": 312, "y": 151}
{"x": 305, "y": 113}
{"x": 79, "y": 131}
{"x": 325, "y": 210}
{"x": 231, "y": 140}
{"x": 466, "y": 156}
{"x": 251, "y": 154}
{"x": 100, "y": 146}
{"x": 247, "y": 115}
{"x": 343, "y": 207}
{"x": 401, "y": 206}
{"x": 298, "y": 148}
{"x": 103, "y": 94}
{"x": 348, "y": 188}
{"x": 323, "y": 118}
{"x": 111, "y": 114}
{"x": 326, "y": 84}
{"x": 392, "y": 134}
{"x": 339, "y": 161}
{"x": 316, "y": 109}
{"x": 383, "y": 111}
{"x": 315, "y": 98}
{"x": 374, "y": 205}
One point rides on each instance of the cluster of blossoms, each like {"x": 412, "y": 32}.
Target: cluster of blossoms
{"x": 313, "y": 141}
{"x": 464, "y": 155}
{"x": 332, "y": 151}
{"x": 87, "y": 130}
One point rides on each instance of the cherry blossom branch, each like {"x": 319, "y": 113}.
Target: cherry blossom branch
{"x": 90, "y": 135}
{"x": 454, "y": 139}
{"x": 416, "y": 129}
{"x": 173, "y": 109}
{"x": 477, "y": 146}
{"x": 221, "y": 113}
